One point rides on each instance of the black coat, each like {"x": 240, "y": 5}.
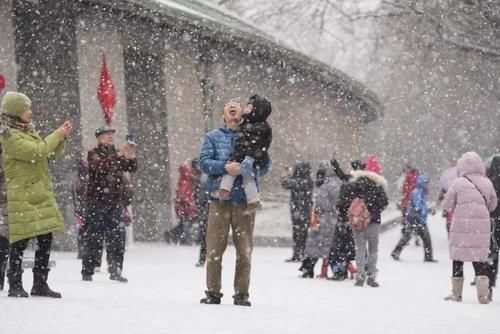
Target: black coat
{"x": 254, "y": 135}
{"x": 301, "y": 188}
{"x": 368, "y": 186}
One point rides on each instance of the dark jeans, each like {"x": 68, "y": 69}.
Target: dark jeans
{"x": 418, "y": 229}
{"x": 104, "y": 222}
{"x": 4, "y": 256}
{"x": 42, "y": 255}
{"x": 480, "y": 268}
{"x": 299, "y": 229}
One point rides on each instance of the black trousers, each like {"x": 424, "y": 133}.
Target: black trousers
{"x": 423, "y": 232}
{"x": 104, "y": 222}
{"x": 480, "y": 268}
{"x": 42, "y": 256}
{"x": 299, "y": 230}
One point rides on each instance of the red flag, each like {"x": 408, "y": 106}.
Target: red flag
{"x": 106, "y": 93}
{"x": 2, "y": 82}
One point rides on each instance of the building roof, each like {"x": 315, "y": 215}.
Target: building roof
{"x": 201, "y": 14}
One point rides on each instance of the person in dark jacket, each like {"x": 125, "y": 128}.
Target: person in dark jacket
{"x": 343, "y": 250}
{"x": 301, "y": 187}
{"x": 201, "y": 200}
{"x": 493, "y": 174}
{"x": 370, "y": 186}
{"x": 4, "y": 225}
{"x": 253, "y": 138}
{"x": 104, "y": 216}
{"x": 416, "y": 214}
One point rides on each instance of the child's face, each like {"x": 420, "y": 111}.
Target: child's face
{"x": 248, "y": 108}
{"x": 232, "y": 114}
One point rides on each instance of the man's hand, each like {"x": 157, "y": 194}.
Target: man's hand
{"x": 232, "y": 168}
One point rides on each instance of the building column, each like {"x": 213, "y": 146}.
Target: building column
{"x": 48, "y": 74}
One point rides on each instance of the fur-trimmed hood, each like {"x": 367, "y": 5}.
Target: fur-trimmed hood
{"x": 378, "y": 179}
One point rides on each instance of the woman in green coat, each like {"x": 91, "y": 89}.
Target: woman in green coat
{"x": 31, "y": 204}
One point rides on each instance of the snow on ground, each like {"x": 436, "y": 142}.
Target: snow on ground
{"x": 164, "y": 291}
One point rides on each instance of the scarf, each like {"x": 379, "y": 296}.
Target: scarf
{"x": 7, "y": 123}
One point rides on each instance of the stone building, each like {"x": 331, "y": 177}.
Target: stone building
{"x": 173, "y": 64}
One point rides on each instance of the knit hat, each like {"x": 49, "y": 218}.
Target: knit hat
{"x": 372, "y": 165}
{"x": 14, "y": 104}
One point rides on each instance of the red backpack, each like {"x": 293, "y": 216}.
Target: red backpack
{"x": 359, "y": 216}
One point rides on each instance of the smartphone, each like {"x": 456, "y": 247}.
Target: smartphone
{"x": 68, "y": 117}
{"x": 130, "y": 140}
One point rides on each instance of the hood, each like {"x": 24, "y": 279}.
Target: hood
{"x": 302, "y": 169}
{"x": 378, "y": 179}
{"x": 185, "y": 171}
{"x": 471, "y": 163}
{"x": 261, "y": 109}
{"x": 421, "y": 180}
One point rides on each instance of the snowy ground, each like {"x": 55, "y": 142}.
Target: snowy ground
{"x": 165, "y": 287}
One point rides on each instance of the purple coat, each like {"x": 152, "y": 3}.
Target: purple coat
{"x": 470, "y": 229}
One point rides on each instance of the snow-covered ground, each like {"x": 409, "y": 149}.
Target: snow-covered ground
{"x": 164, "y": 291}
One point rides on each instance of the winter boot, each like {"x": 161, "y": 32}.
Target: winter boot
{"x": 483, "y": 290}
{"x": 395, "y": 255}
{"x": 371, "y": 281}
{"x": 457, "y": 285}
{"x": 117, "y": 276}
{"x": 241, "y": 300}
{"x": 360, "y": 280}
{"x": 212, "y": 298}
{"x": 40, "y": 286}
{"x": 351, "y": 268}
{"x": 16, "y": 285}
{"x": 324, "y": 269}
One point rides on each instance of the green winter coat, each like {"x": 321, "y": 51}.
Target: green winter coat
{"x": 32, "y": 207}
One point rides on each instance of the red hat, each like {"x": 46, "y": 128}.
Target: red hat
{"x": 372, "y": 165}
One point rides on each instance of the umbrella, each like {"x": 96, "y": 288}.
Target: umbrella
{"x": 447, "y": 177}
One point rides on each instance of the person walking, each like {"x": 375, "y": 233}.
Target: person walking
{"x": 470, "y": 198}
{"x": 366, "y": 202}
{"x": 301, "y": 188}
{"x": 416, "y": 220}
{"x": 185, "y": 206}
{"x": 228, "y": 214}
{"x": 31, "y": 204}
{"x": 493, "y": 174}
{"x": 105, "y": 198}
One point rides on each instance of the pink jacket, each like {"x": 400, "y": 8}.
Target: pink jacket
{"x": 470, "y": 229}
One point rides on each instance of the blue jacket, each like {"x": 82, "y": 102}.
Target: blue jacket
{"x": 217, "y": 147}
{"x": 418, "y": 209}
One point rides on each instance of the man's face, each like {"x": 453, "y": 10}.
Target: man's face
{"x": 232, "y": 114}
{"x": 426, "y": 186}
{"x": 248, "y": 108}
{"x": 106, "y": 138}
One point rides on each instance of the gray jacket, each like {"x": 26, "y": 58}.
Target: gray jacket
{"x": 319, "y": 242}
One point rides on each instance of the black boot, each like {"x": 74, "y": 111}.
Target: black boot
{"x": 4, "y": 256}
{"x": 16, "y": 285}
{"x": 40, "y": 286}
{"x": 117, "y": 276}
{"x": 241, "y": 300}
{"x": 211, "y": 298}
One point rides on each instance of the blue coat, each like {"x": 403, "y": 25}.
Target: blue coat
{"x": 217, "y": 147}
{"x": 418, "y": 209}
